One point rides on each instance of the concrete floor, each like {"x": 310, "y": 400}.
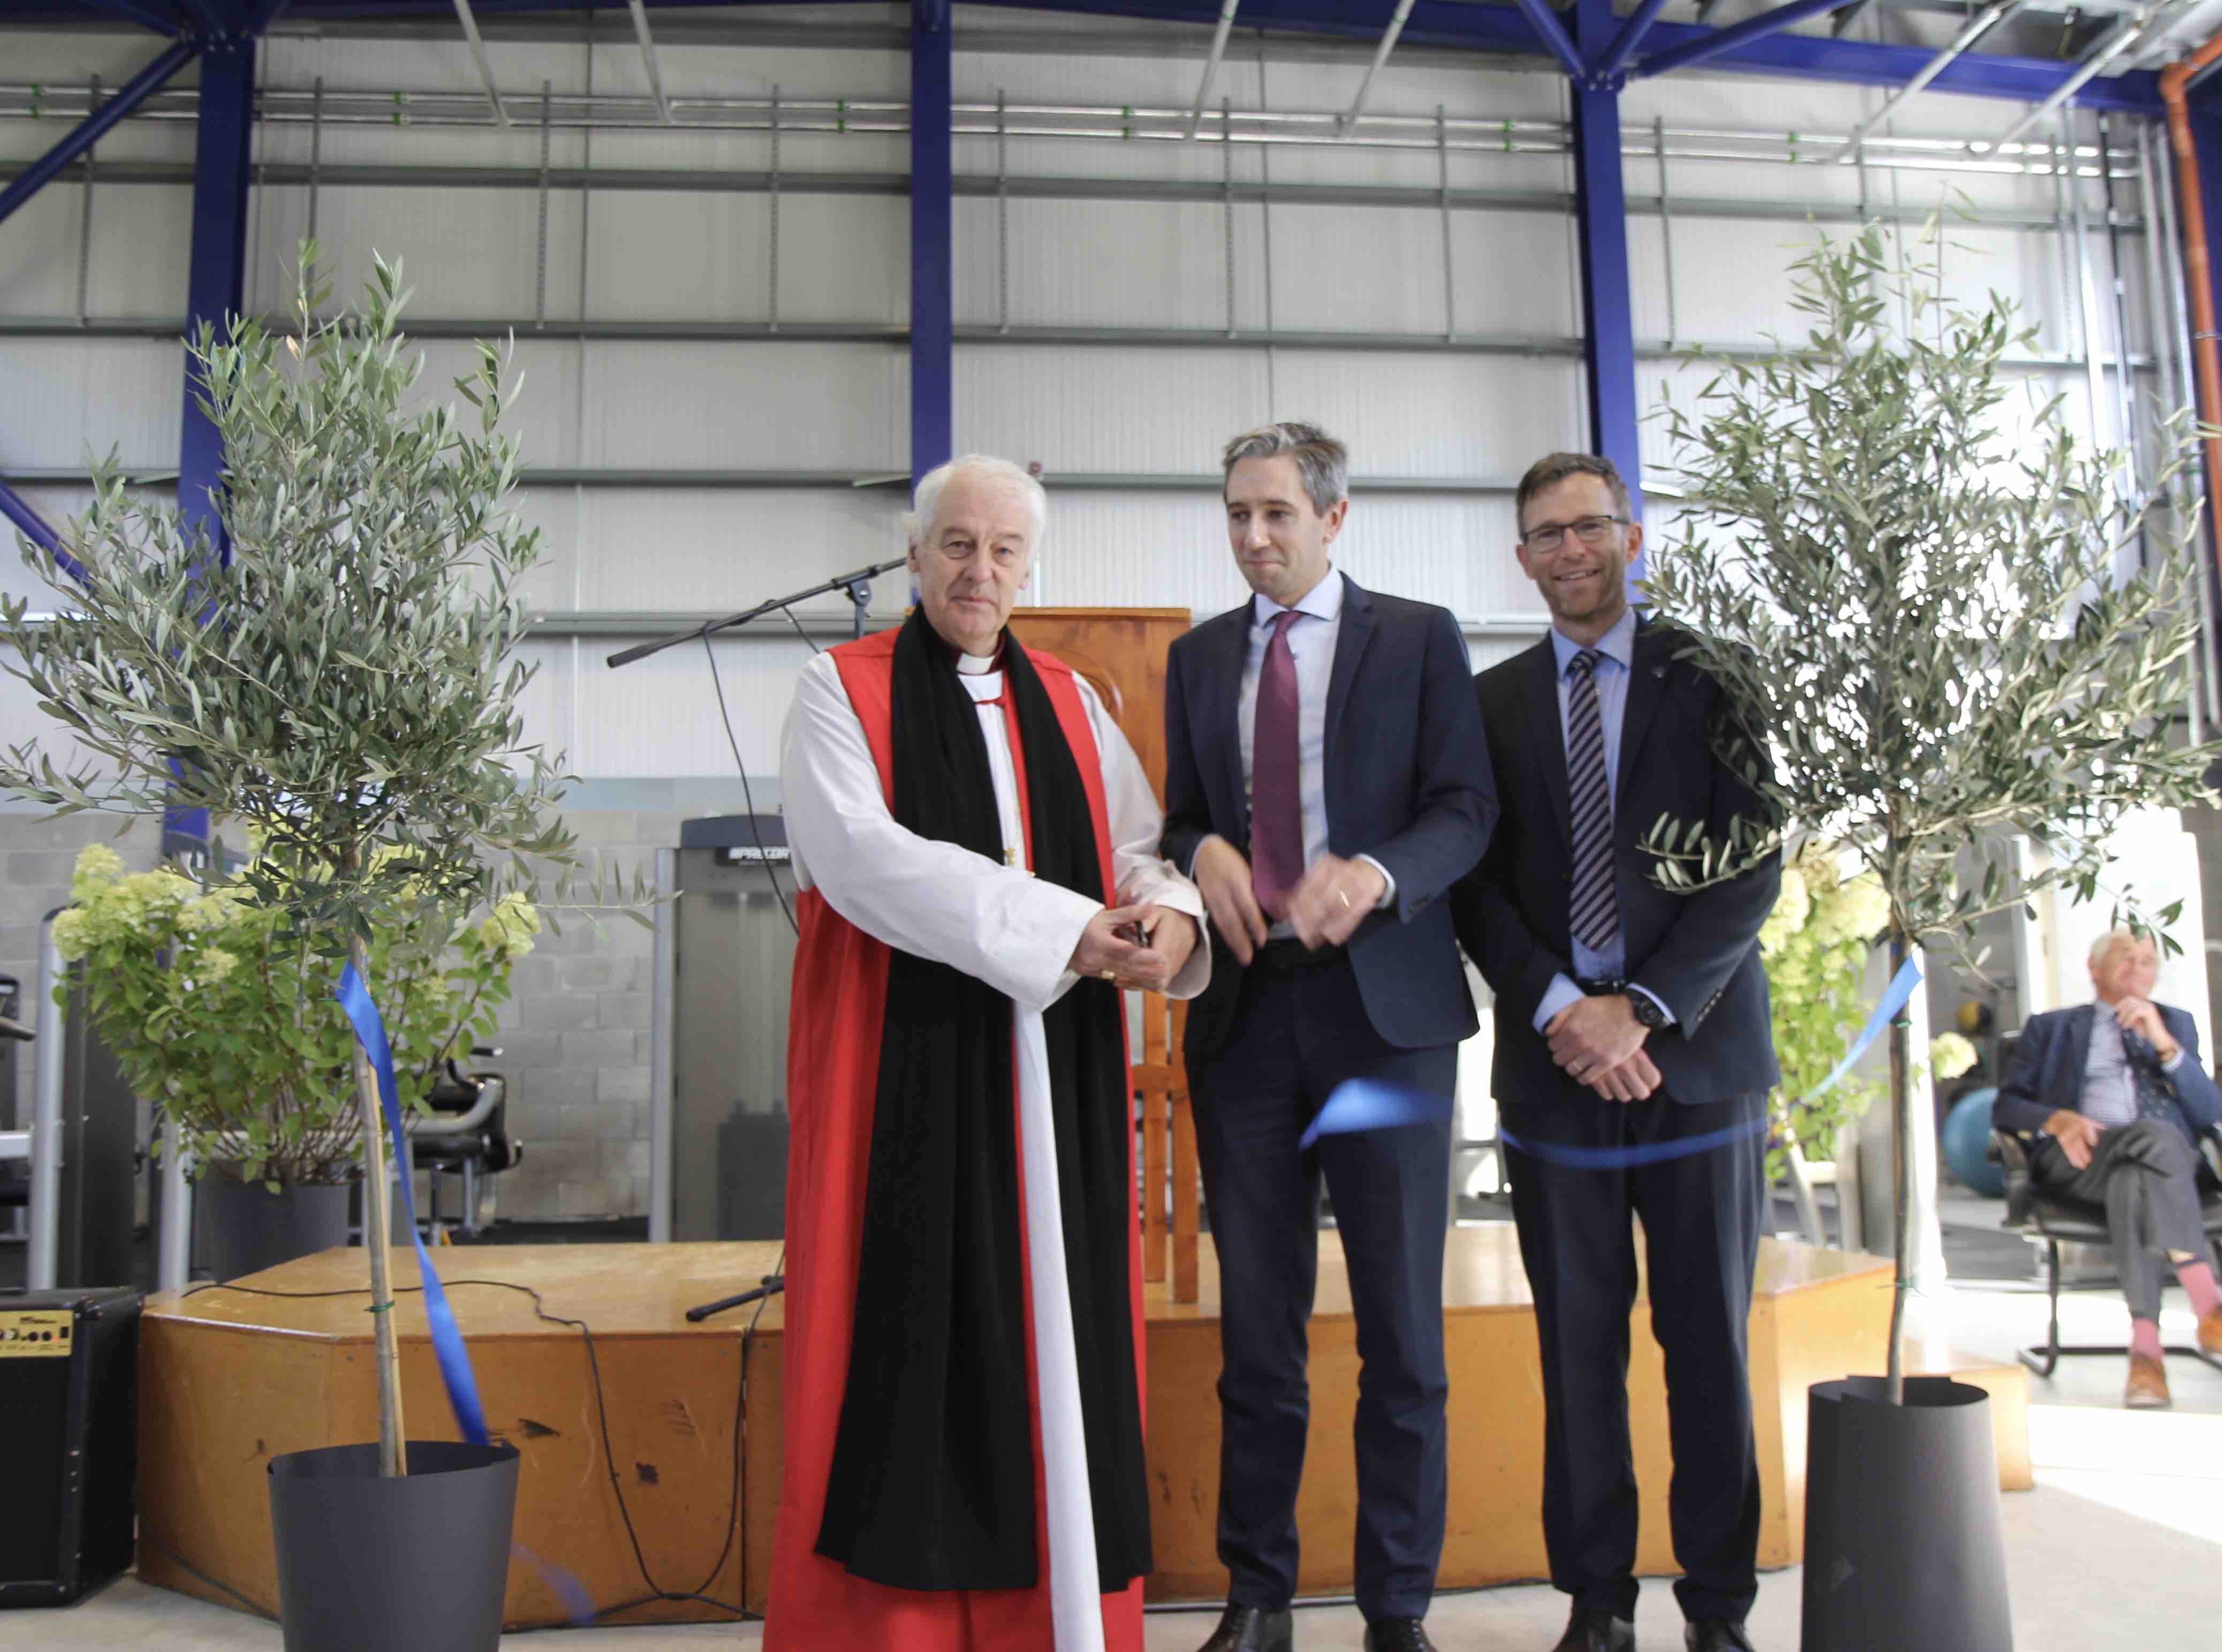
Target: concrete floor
{"x": 2119, "y": 1547}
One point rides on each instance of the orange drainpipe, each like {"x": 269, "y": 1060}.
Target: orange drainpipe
{"x": 2198, "y": 267}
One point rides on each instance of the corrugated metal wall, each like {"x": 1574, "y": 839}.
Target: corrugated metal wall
{"x": 1142, "y": 235}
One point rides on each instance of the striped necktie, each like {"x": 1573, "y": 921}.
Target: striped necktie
{"x": 1595, "y": 908}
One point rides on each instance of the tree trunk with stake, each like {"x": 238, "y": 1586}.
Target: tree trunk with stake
{"x": 378, "y": 1239}
{"x": 1901, "y": 1163}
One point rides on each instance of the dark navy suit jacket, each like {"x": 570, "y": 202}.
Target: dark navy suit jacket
{"x": 2048, "y": 1070}
{"x": 1408, "y": 783}
{"x": 1697, "y": 953}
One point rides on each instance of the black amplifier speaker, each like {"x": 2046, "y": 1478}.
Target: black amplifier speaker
{"x": 69, "y": 1427}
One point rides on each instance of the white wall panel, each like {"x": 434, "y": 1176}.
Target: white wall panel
{"x": 464, "y": 253}
{"x": 659, "y": 715}
{"x": 1472, "y": 418}
{"x": 38, "y": 254}
{"x": 706, "y": 257}
{"x": 1166, "y": 411}
{"x": 62, "y": 398}
{"x": 1132, "y": 264}
{"x": 747, "y": 406}
{"x": 690, "y": 550}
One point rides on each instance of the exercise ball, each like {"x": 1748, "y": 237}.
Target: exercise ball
{"x": 1968, "y": 1143}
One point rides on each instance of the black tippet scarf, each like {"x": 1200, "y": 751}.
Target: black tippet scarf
{"x": 931, "y": 1485}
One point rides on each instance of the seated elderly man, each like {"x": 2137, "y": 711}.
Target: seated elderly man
{"x": 2117, "y": 1088}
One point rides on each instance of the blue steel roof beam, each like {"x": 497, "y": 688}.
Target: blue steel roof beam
{"x": 1344, "y": 122}
{"x": 18, "y": 510}
{"x": 214, "y": 22}
{"x": 1211, "y": 67}
{"x": 1553, "y": 34}
{"x": 131, "y": 12}
{"x": 1976, "y": 27}
{"x": 89, "y": 131}
{"x": 1631, "y": 36}
{"x": 266, "y": 13}
{"x": 1716, "y": 41}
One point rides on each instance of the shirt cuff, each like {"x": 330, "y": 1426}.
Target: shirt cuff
{"x": 1388, "y": 883}
{"x": 1656, "y": 1000}
{"x": 1556, "y": 996}
{"x": 2175, "y": 1060}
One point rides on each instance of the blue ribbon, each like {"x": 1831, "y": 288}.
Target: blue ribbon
{"x": 1373, "y": 1104}
{"x": 1570, "y": 1157}
{"x": 447, "y": 1338}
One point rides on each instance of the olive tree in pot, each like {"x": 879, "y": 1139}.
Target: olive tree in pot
{"x": 225, "y": 1023}
{"x": 338, "y": 679}
{"x": 1951, "y": 622}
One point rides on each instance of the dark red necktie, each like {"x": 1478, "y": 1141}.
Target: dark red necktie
{"x": 1277, "y": 818}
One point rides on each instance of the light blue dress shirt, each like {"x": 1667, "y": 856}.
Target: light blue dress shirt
{"x": 1616, "y": 651}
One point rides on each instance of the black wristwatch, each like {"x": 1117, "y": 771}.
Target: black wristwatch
{"x": 1646, "y": 1008}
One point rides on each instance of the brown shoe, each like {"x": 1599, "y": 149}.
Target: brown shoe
{"x": 2147, "y": 1387}
{"x": 2210, "y": 1331}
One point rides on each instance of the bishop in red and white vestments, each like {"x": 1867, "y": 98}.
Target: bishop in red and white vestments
{"x": 964, "y": 1375}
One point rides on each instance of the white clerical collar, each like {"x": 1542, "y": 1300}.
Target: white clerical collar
{"x": 1323, "y": 601}
{"x": 973, "y": 664}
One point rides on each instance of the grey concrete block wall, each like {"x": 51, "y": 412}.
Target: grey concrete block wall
{"x": 574, "y": 1042}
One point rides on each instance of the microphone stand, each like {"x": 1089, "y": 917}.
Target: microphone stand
{"x": 773, "y": 1283}
{"x": 857, "y": 585}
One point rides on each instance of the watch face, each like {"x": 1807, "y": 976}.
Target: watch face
{"x": 1646, "y": 1012}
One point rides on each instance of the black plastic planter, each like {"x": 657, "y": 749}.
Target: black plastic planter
{"x": 1903, "y": 1545}
{"x": 245, "y": 1228}
{"x": 418, "y": 1563}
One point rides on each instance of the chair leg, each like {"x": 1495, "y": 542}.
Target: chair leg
{"x": 2043, "y": 1363}
{"x": 470, "y": 1224}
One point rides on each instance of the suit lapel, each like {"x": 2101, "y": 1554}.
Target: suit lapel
{"x": 1357, "y": 630}
{"x": 1647, "y": 671}
{"x": 1229, "y": 654}
{"x": 1545, "y": 735}
{"x": 2079, "y": 1047}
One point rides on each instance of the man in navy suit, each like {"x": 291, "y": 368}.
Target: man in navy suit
{"x": 1325, "y": 783}
{"x": 2116, "y": 1091}
{"x": 1628, "y": 1019}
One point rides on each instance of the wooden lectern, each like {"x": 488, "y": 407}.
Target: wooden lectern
{"x": 1121, "y": 652}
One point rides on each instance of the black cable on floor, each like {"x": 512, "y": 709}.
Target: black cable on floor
{"x": 657, "y": 1591}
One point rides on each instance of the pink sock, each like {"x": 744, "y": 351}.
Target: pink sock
{"x": 2144, "y": 1338}
{"x": 2198, "y": 1281}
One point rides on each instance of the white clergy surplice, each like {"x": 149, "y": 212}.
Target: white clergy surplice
{"x": 993, "y": 920}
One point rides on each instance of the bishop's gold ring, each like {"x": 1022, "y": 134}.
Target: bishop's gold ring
{"x": 1109, "y": 975}
{"x": 1343, "y": 895}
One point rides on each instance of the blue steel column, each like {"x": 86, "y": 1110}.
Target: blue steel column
{"x": 932, "y": 306}
{"x": 1601, "y": 222}
{"x": 215, "y": 289}
{"x": 215, "y": 284}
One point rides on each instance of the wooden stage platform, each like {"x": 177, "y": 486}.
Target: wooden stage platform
{"x": 229, "y": 1379}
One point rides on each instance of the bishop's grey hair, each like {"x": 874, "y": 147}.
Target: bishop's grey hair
{"x": 926, "y": 498}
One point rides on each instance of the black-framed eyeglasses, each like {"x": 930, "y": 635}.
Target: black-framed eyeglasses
{"x": 1591, "y": 531}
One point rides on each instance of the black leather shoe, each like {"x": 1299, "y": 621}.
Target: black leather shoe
{"x": 1397, "y": 1635}
{"x": 1592, "y": 1631}
{"x": 1715, "y": 1635}
{"x": 1252, "y": 1628}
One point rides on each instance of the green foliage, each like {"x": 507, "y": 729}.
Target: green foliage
{"x": 228, "y": 1025}
{"x": 1815, "y": 946}
{"x": 1926, "y": 614}
{"x": 343, "y": 685}
{"x": 1941, "y": 633}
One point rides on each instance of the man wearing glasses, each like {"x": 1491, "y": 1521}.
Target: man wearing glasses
{"x": 1629, "y": 1022}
